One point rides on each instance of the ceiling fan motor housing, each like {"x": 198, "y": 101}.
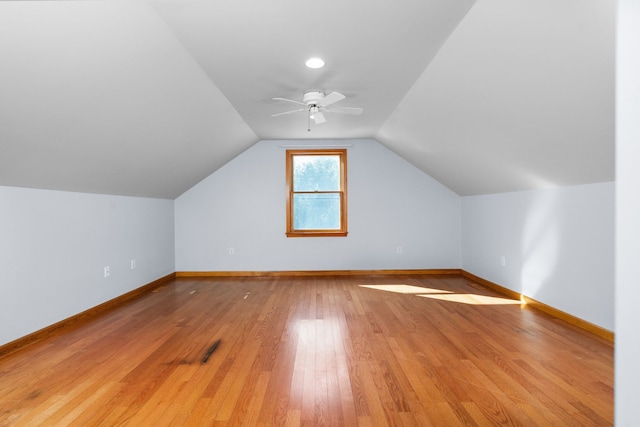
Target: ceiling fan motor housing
{"x": 312, "y": 98}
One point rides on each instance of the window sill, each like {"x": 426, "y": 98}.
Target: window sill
{"x": 316, "y": 234}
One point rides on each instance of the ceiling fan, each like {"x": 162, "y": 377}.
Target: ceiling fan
{"x": 316, "y": 103}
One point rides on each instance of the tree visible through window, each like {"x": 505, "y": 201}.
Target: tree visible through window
{"x": 316, "y": 193}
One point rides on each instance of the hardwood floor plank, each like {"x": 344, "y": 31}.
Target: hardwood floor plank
{"x": 405, "y": 350}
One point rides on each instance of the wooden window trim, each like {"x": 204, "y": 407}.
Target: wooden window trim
{"x": 342, "y": 232}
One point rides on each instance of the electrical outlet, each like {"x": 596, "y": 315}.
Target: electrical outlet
{"x": 231, "y": 251}
{"x": 133, "y": 264}
{"x": 398, "y": 249}
{"x": 107, "y": 272}
{"x": 503, "y": 261}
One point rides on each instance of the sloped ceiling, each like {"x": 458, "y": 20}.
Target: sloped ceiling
{"x": 520, "y": 96}
{"x": 148, "y": 98}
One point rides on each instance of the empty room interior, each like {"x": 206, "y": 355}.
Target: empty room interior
{"x": 434, "y": 222}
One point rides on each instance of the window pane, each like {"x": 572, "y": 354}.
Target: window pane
{"x": 316, "y": 211}
{"x": 316, "y": 173}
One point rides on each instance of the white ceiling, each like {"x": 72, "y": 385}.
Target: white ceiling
{"x": 146, "y": 98}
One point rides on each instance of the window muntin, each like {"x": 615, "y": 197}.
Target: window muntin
{"x": 316, "y": 193}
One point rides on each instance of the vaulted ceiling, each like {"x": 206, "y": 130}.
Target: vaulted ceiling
{"x": 146, "y": 98}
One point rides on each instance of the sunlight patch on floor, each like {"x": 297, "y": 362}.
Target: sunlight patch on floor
{"x": 473, "y": 299}
{"x": 442, "y": 295}
{"x": 406, "y": 289}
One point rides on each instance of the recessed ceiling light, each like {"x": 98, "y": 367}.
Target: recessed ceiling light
{"x": 314, "y": 63}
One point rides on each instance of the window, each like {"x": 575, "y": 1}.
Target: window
{"x": 316, "y": 193}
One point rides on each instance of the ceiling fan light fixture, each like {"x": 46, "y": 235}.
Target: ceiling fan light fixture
{"x": 314, "y": 63}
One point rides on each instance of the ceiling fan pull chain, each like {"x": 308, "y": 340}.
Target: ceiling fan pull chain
{"x": 309, "y": 121}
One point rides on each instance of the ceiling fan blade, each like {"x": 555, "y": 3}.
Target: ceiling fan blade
{"x": 332, "y": 98}
{"x": 289, "y": 100}
{"x": 319, "y": 118}
{"x": 344, "y": 110}
{"x": 289, "y": 112}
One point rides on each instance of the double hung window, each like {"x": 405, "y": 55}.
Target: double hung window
{"x": 317, "y": 193}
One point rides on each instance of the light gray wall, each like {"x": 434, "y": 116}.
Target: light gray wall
{"x": 54, "y": 246}
{"x": 627, "y": 377}
{"x": 558, "y": 246}
{"x": 391, "y": 204}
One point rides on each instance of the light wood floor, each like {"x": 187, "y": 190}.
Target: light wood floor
{"x": 341, "y": 351}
